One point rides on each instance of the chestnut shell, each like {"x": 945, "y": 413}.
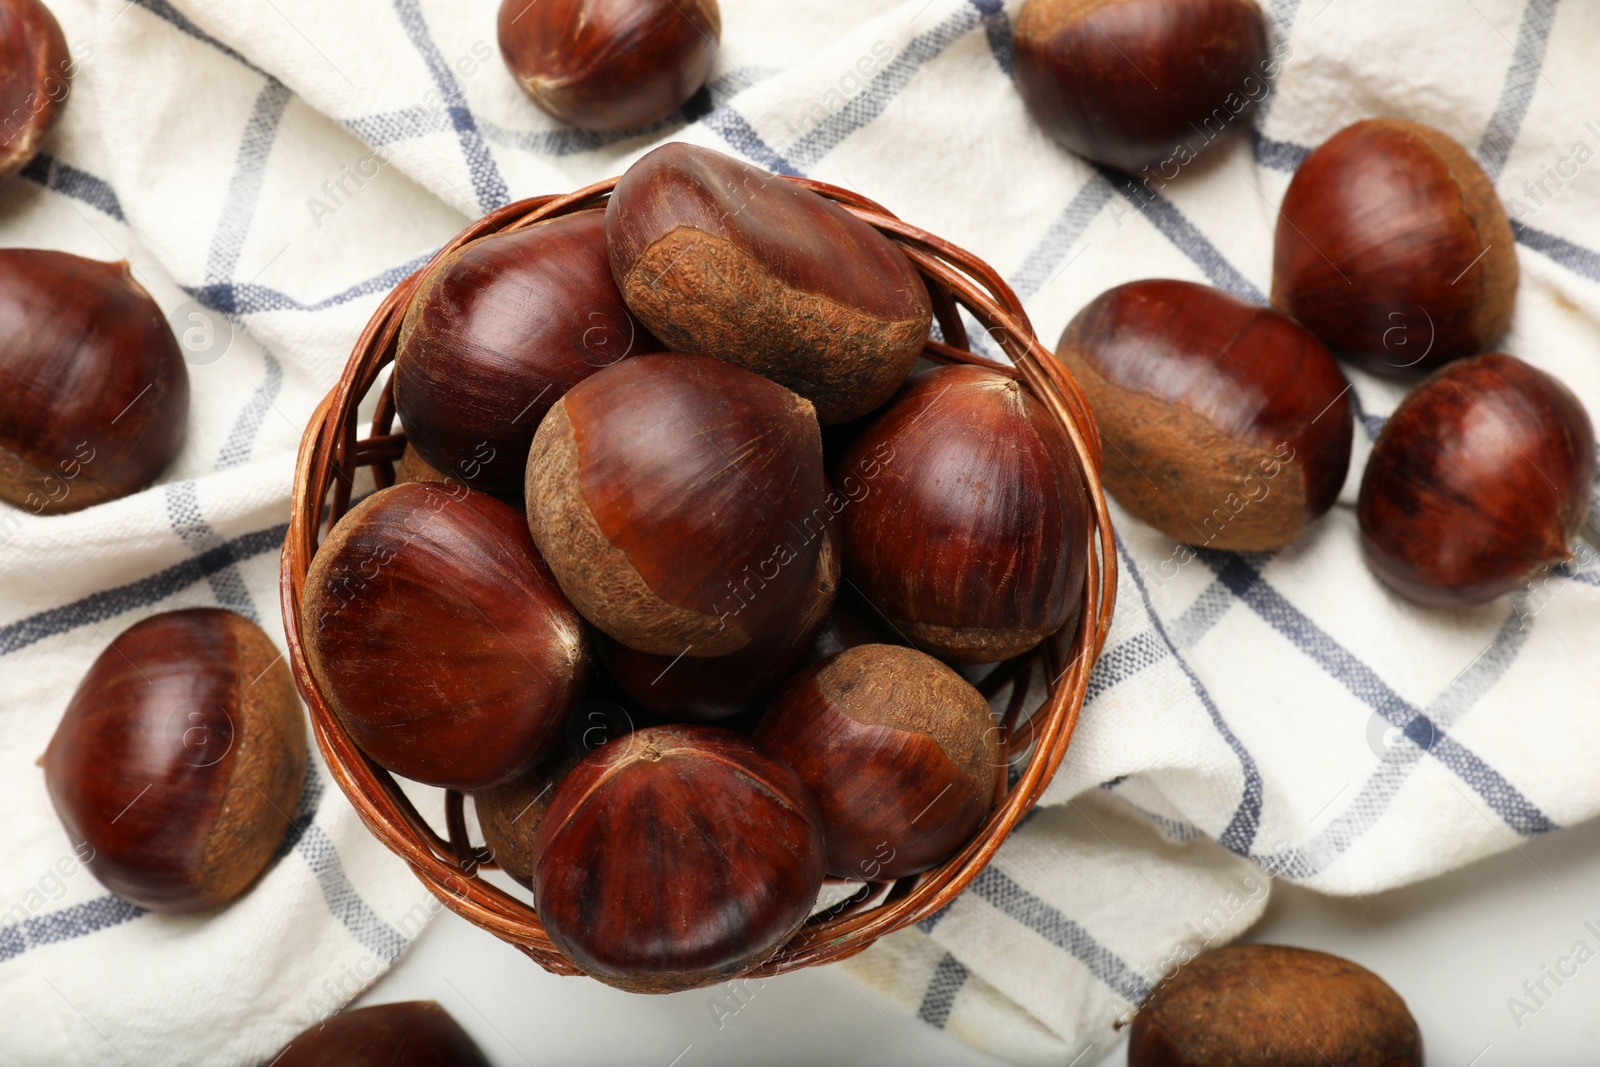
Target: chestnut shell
{"x": 610, "y": 65}
{"x": 1225, "y": 424}
{"x": 416, "y": 1033}
{"x": 1273, "y": 1006}
{"x": 675, "y": 858}
{"x": 498, "y": 331}
{"x": 94, "y": 393}
{"x": 1393, "y": 247}
{"x": 724, "y": 259}
{"x": 439, "y": 638}
{"x": 34, "y": 65}
{"x": 1479, "y": 481}
{"x": 1129, "y": 82}
{"x": 970, "y": 531}
{"x": 180, "y": 759}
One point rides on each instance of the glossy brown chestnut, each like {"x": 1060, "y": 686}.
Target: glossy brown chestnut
{"x": 675, "y": 858}
{"x": 1273, "y": 1006}
{"x": 416, "y": 1033}
{"x": 718, "y": 257}
{"x": 1141, "y": 83}
{"x": 36, "y": 68}
{"x": 94, "y": 394}
{"x": 498, "y": 332}
{"x": 180, "y": 759}
{"x": 1393, "y": 247}
{"x": 1479, "y": 481}
{"x": 670, "y": 495}
{"x": 610, "y": 64}
{"x": 701, "y": 689}
{"x": 972, "y": 521}
{"x": 900, "y": 752}
{"x": 1225, "y": 424}
{"x": 439, "y": 638}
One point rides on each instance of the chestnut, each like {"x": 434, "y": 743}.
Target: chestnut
{"x": 35, "y": 68}
{"x": 416, "y": 1033}
{"x": 498, "y": 331}
{"x": 1393, "y": 247}
{"x": 718, "y": 257}
{"x": 900, "y": 752}
{"x": 1138, "y": 83}
{"x": 1226, "y": 424}
{"x": 1273, "y": 1006}
{"x": 413, "y": 468}
{"x": 671, "y": 496}
{"x": 678, "y": 858}
{"x": 971, "y": 522}
{"x": 180, "y": 758}
{"x": 1478, "y": 482}
{"x": 610, "y": 64}
{"x": 702, "y": 689}
{"x": 94, "y": 394}
{"x": 439, "y": 638}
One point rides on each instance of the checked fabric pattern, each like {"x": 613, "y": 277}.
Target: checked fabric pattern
{"x": 272, "y": 167}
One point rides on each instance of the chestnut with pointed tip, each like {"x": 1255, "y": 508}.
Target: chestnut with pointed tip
{"x": 1137, "y": 83}
{"x": 439, "y": 638}
{"x": 1393, "y": 247}
{"x": 94, "y": 393}
{"x": 1479, "y": 481}
{"x": 180, "y": 759}
{"x": 497, "y": 332}
{"x": 718, "y": 257}
{"x": 35, "y": 78}
{"x": 1229, "y": 1006}
{"x": 676, "y": 858}
{"x": 900, "y": 752}
{"x": 1226, "y": 424}
{"x": 669, "y": 495}
{"x": 610, "y": 65}
{"x": 971, "y": 527}
{"x": 417, "y": 1033}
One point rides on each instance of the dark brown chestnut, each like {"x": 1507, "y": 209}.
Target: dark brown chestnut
{"x": 700, "y": 689}
{"x": 1479, "y": 481}
{"x": 900, "y": 752}
{"x": 1273, "y": 1006}
{"x": 1393, "y": 247}
{"x": 94, "y": 394}
{"x": 669, "y": 494}
{"x": 439, "y": 638}
{"x": 1225, "y": 424}
{"x": 498, "y": 331}
{"x": 610, "y": 64}
{"x": 1141, "y": 84}
{"x": 677, "y": 857}
{"x": 972, "y": 520}
{"x": 720, "y": 258}
{"x": 36, "y": 68}
{"x": 180, "y": 759}
{"x": 417, "y": 1033}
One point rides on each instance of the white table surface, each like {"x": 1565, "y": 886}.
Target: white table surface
{"x": 1456, "y": 948}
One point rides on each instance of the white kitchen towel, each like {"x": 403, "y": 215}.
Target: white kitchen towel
{"x": 272, "y": 167}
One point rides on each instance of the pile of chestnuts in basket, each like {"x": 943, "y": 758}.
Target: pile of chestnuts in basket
{"x": 649, "y": 445}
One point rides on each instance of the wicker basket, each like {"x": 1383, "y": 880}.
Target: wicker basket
{"x": 332, "y": 452}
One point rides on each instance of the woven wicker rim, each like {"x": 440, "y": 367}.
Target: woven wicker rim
{"x": 330, "y": 455}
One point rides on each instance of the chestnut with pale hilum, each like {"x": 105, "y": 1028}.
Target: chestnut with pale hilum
{"x": 180, "y": 760}
{"x": 1226, "y": 424}
{"x": 94, "y": 393}
{"x": 1479, "y": 482}
{"x": 439, "y": 637}
{"x": 973, "y": 539}
{"x": 724, "y": 259}
{"x": 610, "y": 65}
{"x": 1393, "y": 247}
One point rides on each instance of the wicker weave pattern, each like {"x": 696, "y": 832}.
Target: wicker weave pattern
{"x": 331, "y": 453}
